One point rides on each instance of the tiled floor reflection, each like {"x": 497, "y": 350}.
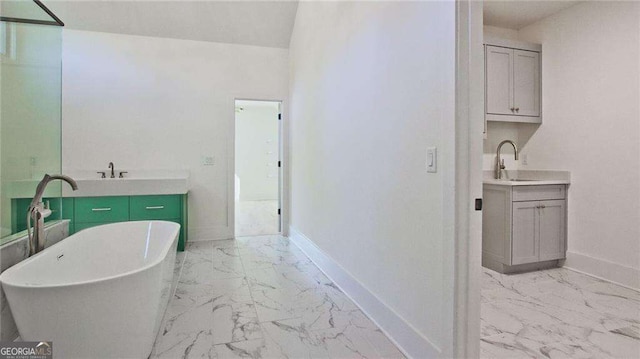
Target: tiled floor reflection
{"x": 557, "y": 313}
{"x": 261, "y": 297}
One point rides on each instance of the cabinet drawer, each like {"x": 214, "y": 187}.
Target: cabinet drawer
{"x": 538, "y": 193}
{"x": 155, "y": 207}
{"x": 101, "y": 209}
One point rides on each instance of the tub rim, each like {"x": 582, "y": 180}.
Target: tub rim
{"x": 176, "y": 232}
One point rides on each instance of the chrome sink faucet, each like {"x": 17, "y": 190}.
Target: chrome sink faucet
{"x": 37, "y": 212}
{"x": 500, "y": 162}
{"x": 113, "y": 175}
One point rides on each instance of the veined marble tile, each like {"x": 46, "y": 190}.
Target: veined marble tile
{"x": 234, "y": 321}
{"x": 197, "y": 345}
{"x": 234, "y": 314}
{"x": 281, "y": 306}
{"x": 294, "y": 339}
{"x": 227, "y": 269}
{"x": 278, "y": 304}
{"x": 200, "y": 248}
{"x": 196, "y": 269}
{"x": 272, "y": 278}
{"x": 222, "y": 253}
{"x": 254, "y": 349}
{"x": 558, "y": 313}
{"x": 346, "y": 343}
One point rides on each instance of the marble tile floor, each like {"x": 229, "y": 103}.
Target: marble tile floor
{"x": 261, "y": 297}
{"x": 557, "y": 313}
{"x": 254, "y": 218}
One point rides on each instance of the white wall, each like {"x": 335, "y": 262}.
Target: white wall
{"x": 371, "y": 86}
{"x": 152, "y": 103}
{"x": 257, "y": 150}
{"x": 591, "y": 127}
{"x": 591, "y": 124}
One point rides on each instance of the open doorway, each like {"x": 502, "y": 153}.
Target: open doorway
{"x": 257, "y": 168}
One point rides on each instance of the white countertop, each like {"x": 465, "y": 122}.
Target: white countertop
{"x": 528, "y": 178}
{"x": 91, "y": 185}
{"x": 127, "y": 187}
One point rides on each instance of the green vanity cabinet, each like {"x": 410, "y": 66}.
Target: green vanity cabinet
{"x": 87, "y": 212}
{"x": 164, "y": 207}
{"x": 155, "y": 207}
{"x": 101, "y": 209}
{"x": 61, "y": 208}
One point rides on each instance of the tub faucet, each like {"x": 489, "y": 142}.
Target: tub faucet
{"x": 500, "y": 162}
{"x": 37, "y": 212}
{"x": 113, "y": 175}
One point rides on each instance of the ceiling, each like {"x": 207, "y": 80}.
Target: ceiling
{"x": 259, "y": 23}
{"x": 516, "y": 14}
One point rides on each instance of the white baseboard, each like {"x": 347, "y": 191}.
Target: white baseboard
{"x": 404, "y": 335}
{"x": 613, "y": 272}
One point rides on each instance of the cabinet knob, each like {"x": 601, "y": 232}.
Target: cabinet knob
{"x": 517, "y": 109}
{"x": 512, "y": 109}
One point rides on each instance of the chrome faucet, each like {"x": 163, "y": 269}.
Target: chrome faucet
{"x": 500, "y": 162}
{"x": 37, "y": 212}
{"x": 113, "y": 175}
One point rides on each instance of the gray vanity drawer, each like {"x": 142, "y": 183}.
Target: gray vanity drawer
{"x": 539, "y": 193}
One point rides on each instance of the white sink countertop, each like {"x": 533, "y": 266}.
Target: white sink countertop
{"x": 135, "y": 183}
{"x": 527, "y": 178}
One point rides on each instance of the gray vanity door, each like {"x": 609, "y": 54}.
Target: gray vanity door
{"x": 499, "y": 80}
{"x": 525, "y": 233}
{"x": 552, "y": 229}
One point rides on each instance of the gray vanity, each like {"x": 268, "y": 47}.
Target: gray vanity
{"x": 524, "y": 221}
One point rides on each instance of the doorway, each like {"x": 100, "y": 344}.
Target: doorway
{"x": 257, "y": 177}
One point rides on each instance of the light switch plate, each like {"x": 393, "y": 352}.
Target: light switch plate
{"x": 432, "y": 159}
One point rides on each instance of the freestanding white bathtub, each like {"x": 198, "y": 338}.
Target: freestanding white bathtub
{"x": 101, "y": 293}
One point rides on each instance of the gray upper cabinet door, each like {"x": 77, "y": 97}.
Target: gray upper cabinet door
{"x": 526, "y": 83}
{"x": 525, "y": 233}
{"x": 552, "y": 229}
{"x": 499, "y": 80}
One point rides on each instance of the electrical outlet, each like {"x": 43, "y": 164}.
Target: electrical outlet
{"x": 208, "y": 161}
{"x": 525, "y": 159}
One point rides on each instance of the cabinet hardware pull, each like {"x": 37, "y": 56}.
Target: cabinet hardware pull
{"x": 517, "y": 109}
{"x": 155, "y": 207}
{"x": 101, "y": 209}
{"x": 512, "y": 109}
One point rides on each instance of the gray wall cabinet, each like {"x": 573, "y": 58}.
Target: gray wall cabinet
{"x": 512, "y": 81}
{"x": 524, "y": 227}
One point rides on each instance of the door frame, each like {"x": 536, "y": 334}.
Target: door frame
{"x": 469, "y": 128}
{"x": 283, "y": 180}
